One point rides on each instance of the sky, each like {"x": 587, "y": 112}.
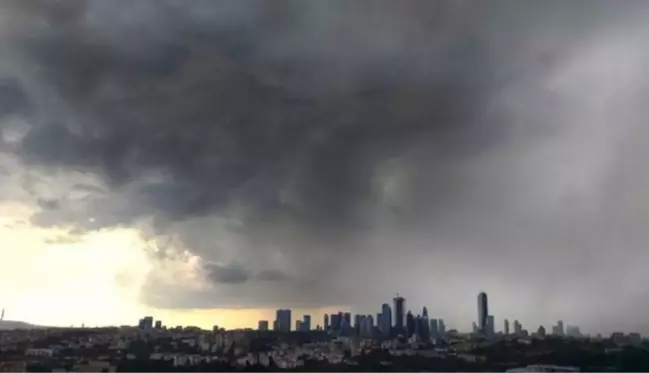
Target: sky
{"x": 208, "y": 162}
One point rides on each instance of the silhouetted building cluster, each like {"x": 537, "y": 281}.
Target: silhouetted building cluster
{"x": 384, "y": 324}
{"x": 396, "y": 321}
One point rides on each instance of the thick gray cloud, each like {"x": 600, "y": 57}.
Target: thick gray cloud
{"x": 333, "y": 153}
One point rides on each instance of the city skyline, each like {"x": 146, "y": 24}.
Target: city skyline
{"x": 326, "y": 315}
{"x": 208, "y": 163}
{"x": 287, "y": 319}
{"x": 384, "y": 325}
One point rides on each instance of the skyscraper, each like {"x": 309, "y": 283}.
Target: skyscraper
{"x": 263, "y": 325}
{"x": 334, "y": 322}
{"x": 348, "y": 319}
{"x": 410, "y": 324}
{"x": 441, "y": 328}
{"x": 306, "y": 323}
{"x": 386, "y": 319}
{"x": 326, "y": 321}
{"x": 283, "y": 317}
{"x": 434, "y": 328}
{"x": 518, "y": 328}
{"x": 424, "y": 329}
{"x": 560, "y": 328}
{"x": 345, "y": 326}
{"x": 483, "y": 312}
{"x": 506, "y": 326}
{"x": 399, "y": 313}
{"x": 491, "y": 327}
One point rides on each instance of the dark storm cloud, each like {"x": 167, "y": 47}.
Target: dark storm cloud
{"x": 230, "y": 119}
{"x": 12, "y": 98}
{"x": 234, "y": 273}
{"x": 237, "y": 273}
{"x": 322, "y": 144}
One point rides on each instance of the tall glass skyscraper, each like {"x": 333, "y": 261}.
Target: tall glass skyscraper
{"x": 386, "y": 319}
{"x": 399, "y": 313}
{"x": 483, "y": 312}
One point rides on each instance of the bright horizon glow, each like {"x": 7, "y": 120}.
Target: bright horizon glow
{"x": 55, "y": 281}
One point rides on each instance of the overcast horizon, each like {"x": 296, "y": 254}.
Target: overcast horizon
{"x": 206, "y": 162}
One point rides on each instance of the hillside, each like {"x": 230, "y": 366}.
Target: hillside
{"x": 10, "y": 324}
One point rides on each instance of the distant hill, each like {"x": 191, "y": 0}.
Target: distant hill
{"x": 10, "y": 325}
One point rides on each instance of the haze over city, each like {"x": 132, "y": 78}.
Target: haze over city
{"x": 209, "y": 162}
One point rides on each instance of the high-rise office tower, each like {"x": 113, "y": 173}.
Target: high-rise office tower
{"x": 434, "y": 328}
{"x": 560, "y": 328}
{"x": 336, "y": 321}
{"x": 262, "y": 326}
{"x": 506, "y": 327}
{"x": 518, "y": 328}
{"x": 283, "y": 317}
{"x": 483, "y": 312}
{"x": 410, "y": 324}
{"x": 326, "y": 321}
{"x": 441, "y": 328}
{"x": 287, "y": 320}
{"x": 491, "y": 327}
{"x": 278, "y": 319}
{"x": 366, "y": 326}
{"x": 306, "y": 322}
{"x": 423, "y": 328}
{"x": 298, "y": 325}
{"x": 386, "y": 319}
{"x": 357, "y": 321}
{"x": 158, "y": 324}
{"x": 425, "y": 325}
{"x": 348, "y": 319}
{"x": 399, "y": 313}
{"x": 344, "y": 325}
